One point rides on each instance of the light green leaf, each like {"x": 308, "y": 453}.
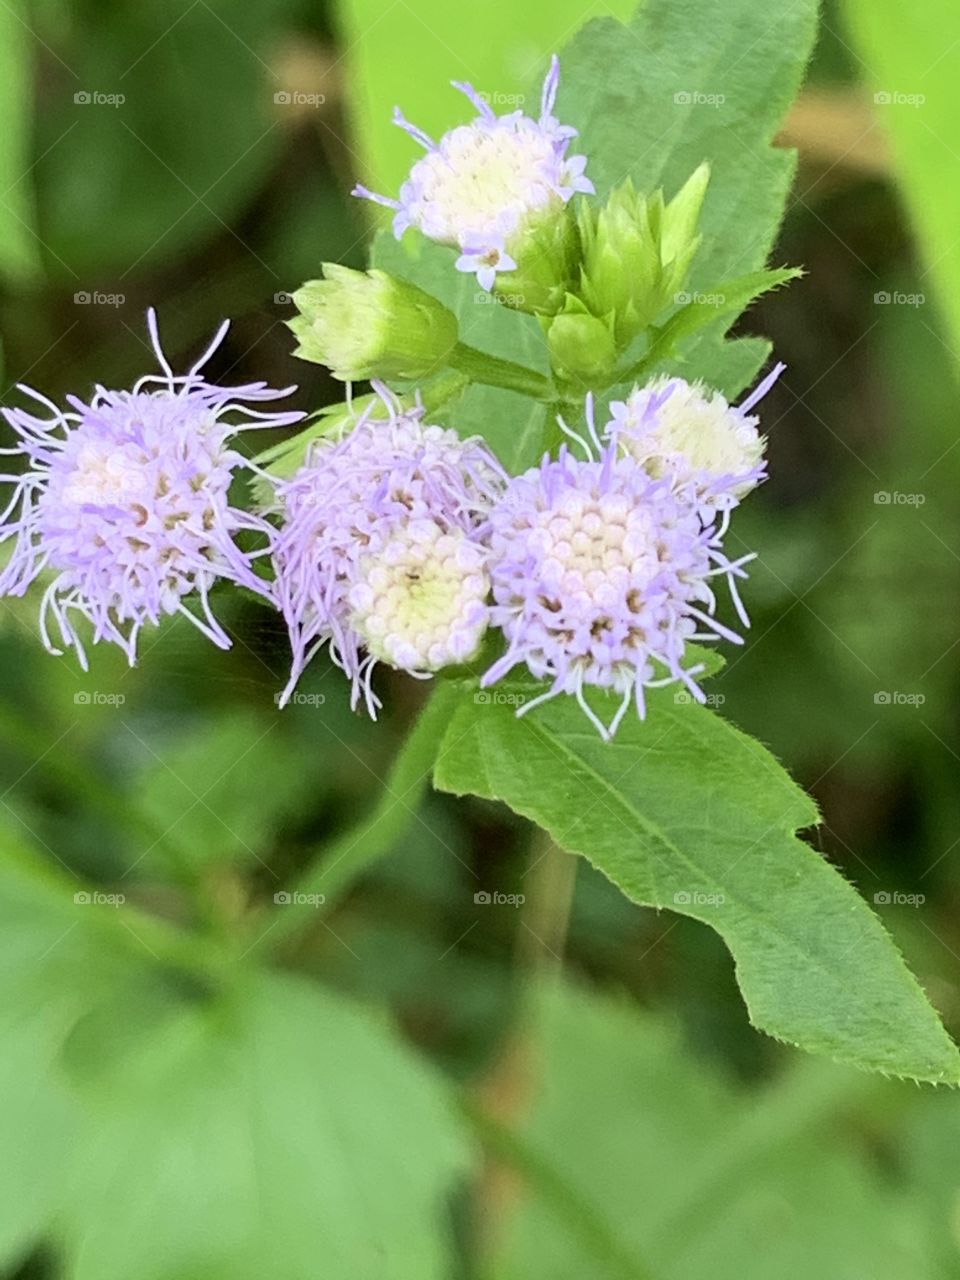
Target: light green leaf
{"x": 683, "y": 811}
{"x": 277, "y": 1132}
{"x": 57, "y": 960}
{"x": 18, "y": 251}
{"x": 911, "y": 70}
{"x": 695, "y": 1174}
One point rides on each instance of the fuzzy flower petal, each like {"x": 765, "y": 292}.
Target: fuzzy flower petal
{"x": 124, "y": 504}
{"x": 601, "y": 575}
{"x": 395, "y": 496}
{"x": 691, "y": 435}
{"x": 484, "y": 183}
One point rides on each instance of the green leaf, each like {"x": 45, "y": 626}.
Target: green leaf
{"x": 685, "y": 812}
{"x": 58, "y": 961}
{"x": 693, "y": 1172}
{"x": 223, "y": 790}
{"x": 18, "y": 244}
{"x": 688, "y": 81}
{"x": 277, "y": 1132}
{"x": 913, "y": 75}
{"x": 142, "y": 72}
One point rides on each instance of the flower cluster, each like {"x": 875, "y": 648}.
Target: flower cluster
{"x": 379, "y": 550}
{"x": 485, "y": 185}
{"x": 125, "y": 504}
{"x": 390, "y": 538}
{"x": 602, "y": 566}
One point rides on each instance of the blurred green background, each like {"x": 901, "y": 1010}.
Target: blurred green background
{"x": 198, "y": 157}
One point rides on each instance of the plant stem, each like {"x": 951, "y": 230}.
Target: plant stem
{"x": 578, "y": 1215}
{"x": 509, "y": 1089}
{"x": 495, "y": 372}
{"x": 351, "y": 854}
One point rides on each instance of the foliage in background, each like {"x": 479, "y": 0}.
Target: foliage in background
{"x": 668, "y": 1160}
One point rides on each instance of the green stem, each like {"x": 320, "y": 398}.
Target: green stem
{"x": 495, "y": 372}
{"x": 354, "y": 852}
{"x": 578, "y": 1215}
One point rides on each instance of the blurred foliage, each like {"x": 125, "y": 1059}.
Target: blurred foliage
{"x": 655, "y": 1122}
{"x": 913, "y": 78}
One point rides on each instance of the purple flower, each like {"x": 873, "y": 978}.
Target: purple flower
{"x": 693, "y": 437}
{"x": 124, "y": 503}
{"x": 485, "y": 184}
{"x": 601, "y": 576}
{"x": 378, "y": 553}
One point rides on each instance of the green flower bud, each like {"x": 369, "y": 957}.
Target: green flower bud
{"x": 546, "y": 252}
{"x": 637, "y": 253}
{"x": 582, "y": 348}
{"x": 367, "y": 324}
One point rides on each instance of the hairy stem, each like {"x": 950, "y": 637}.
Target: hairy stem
{"x": 495, "y": 372}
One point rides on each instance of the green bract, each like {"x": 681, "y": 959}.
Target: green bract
{"x": 637, "y": 253}
{"x": 367, "y": 324}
